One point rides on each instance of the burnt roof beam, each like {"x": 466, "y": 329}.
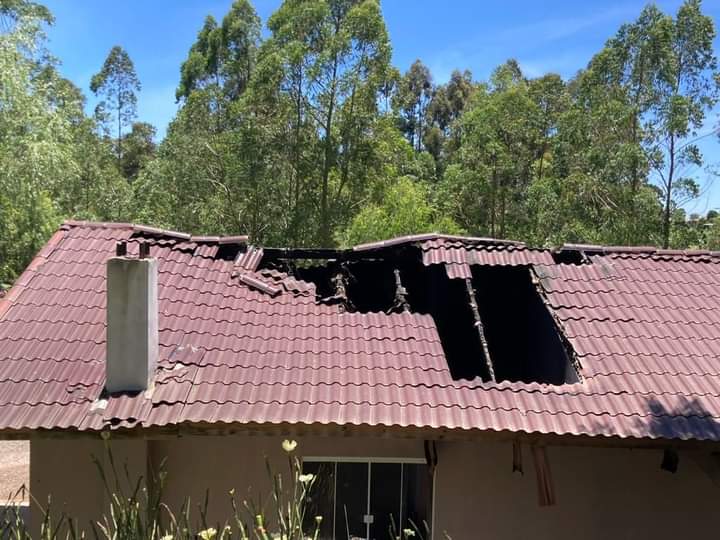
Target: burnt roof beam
{"x": 472, "y": 298}
{"x": 400, "y": 302}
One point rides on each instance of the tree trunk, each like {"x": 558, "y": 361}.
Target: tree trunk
{"x": 493, "y": 189}
{"x": 297, "y": 180}
{"x": 668, "y": 194}
{"x": 325, "y": 233}
{"x": 119, "y": 121}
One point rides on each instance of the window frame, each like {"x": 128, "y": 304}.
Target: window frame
{"x": 369, "y": 461}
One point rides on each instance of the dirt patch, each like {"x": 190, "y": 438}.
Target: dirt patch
{"x": 14, "y": 468}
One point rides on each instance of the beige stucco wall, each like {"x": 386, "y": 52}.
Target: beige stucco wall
{"x": 601, "y": 493}
{"x": 64, "y": 470}
{"x": 220, "y": 464}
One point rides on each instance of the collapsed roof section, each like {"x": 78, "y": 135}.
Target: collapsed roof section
{"x": 429, "y": 331}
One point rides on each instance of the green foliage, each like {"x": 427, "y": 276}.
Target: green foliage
{"x": 404, "y": 209}
{"x": 117, "y": 85}
{"x": 52, "y": 164}
{"x": 222, "y": 56}
{"x": 310, "y": 137}
{"x": 139, "y": 149}
{"x": 665, "y": 70}
{"x": 136, "y": 509}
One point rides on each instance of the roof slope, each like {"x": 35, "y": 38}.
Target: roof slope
{"x": 242, "y": 344}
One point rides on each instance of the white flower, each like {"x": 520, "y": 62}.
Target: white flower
{"x": 289, "y": 446}
{"x": 305, "y": 478}
{"x": 167, "y": 537}
{"x": 208, "y": 534}
{"x": 408, "y": 533}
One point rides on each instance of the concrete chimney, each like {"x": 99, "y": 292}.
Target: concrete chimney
{"x": 132, "y": 322}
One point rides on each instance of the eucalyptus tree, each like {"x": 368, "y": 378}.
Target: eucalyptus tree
{"x": 223, "y": 56}
{"x": 688, "y": 90}
{"x": 322, "y": 70}
{"x": 216, "y": 170}
{"x": 412, "y": 99}
{"x": 117, "y": 85}
{"x": 52, "y": 165}
{"x": 666, "y": 69}
{"x": 447, "y": 103}
{"x": 493, "y": 166}
{"x": 139, "y": 145}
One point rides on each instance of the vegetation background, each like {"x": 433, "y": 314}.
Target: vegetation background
{"x": 307, "y": 135}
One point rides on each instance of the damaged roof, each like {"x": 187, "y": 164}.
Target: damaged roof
{"x": 245, "y": 337}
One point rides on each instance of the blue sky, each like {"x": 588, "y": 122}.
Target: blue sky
{"x": 550, "y": 35}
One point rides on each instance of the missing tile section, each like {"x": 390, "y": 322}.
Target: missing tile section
{"x": 523, "y": 339}
{"x": 493, "y": 325}
{"x": 228, "y": 251}
{"x": 566, "y": 256}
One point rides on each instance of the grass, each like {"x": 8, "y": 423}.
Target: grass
{"x": 136, "y": 511}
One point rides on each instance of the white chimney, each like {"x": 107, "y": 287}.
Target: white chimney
{"x": 132, "y": 321}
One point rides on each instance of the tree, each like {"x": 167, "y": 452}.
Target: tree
{"x": 50, "y": 158}
{"x": 215, "y": 171}
{"x": 412, "y": 99}
{"x": 14, "y": 11}
{"x": 223, "y": 56}
{"x": 217, "y": 182}
{"x": 668, "y": 72}
{"x": 445, "y": 108}
{"x": 139, "y": 145}
{"x": 500, "y": 134}
{"x": 404, "y": 209}
{"x": 688, "y": 89}
{"x": 321, "y": 74}
{"x": 117, "y": 84}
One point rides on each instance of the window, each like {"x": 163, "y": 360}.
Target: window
{"x": 361, "y": 500}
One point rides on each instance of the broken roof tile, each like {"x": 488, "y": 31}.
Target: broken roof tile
{"x": 455, "y": 251}
{"x": 259, "y": 347}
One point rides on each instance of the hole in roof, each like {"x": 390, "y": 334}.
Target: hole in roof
{"x": 570, "y": 256}
{"x": 228, "y": 252}
{"x": 495, "y": 325}
{"x": 524, "y": 342}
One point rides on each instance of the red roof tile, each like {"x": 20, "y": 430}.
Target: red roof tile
{"x": 240, "y": 343}
{"x": 459, "y": 254}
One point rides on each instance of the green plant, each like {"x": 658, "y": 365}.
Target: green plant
{"x": 136, "y": 510}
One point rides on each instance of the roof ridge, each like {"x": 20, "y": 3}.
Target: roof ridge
{"x": 139, "y": 228}
{"x": 400, "y": 240}
{"x": 638, "y": 250}
{"x": 424, "y": 237}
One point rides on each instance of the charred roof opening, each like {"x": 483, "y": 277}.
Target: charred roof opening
{"x": 524, "y": 342}
{"x": 570, "y": 256}
{"x": 228, "y": 251}
{"x": 494, "y": 325}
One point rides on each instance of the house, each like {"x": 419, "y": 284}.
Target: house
{"x": 488, "y": 388}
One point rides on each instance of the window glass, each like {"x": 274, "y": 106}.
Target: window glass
{"x": 417, "y": 497}
{"x": 321, "y": 499}
{"x": 351, "y": 500}
{"x": 363, "y": 500}
{"x": 384, "y": 498}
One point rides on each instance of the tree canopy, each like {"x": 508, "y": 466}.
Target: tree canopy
{"x": 308, "y": 135}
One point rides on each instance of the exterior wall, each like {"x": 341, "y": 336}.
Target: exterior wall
{"x": 601, "y": 493}
{"x": 63, "y": 469}
{"x": 219, "y": 464}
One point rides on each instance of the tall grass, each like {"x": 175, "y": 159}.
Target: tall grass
{"x": 136, "y": 511}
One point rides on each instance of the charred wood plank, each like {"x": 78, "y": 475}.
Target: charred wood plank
{"x": 400, "y": 302}
{"x": 480, "y": 328}
{"x": 340, "y": 282}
